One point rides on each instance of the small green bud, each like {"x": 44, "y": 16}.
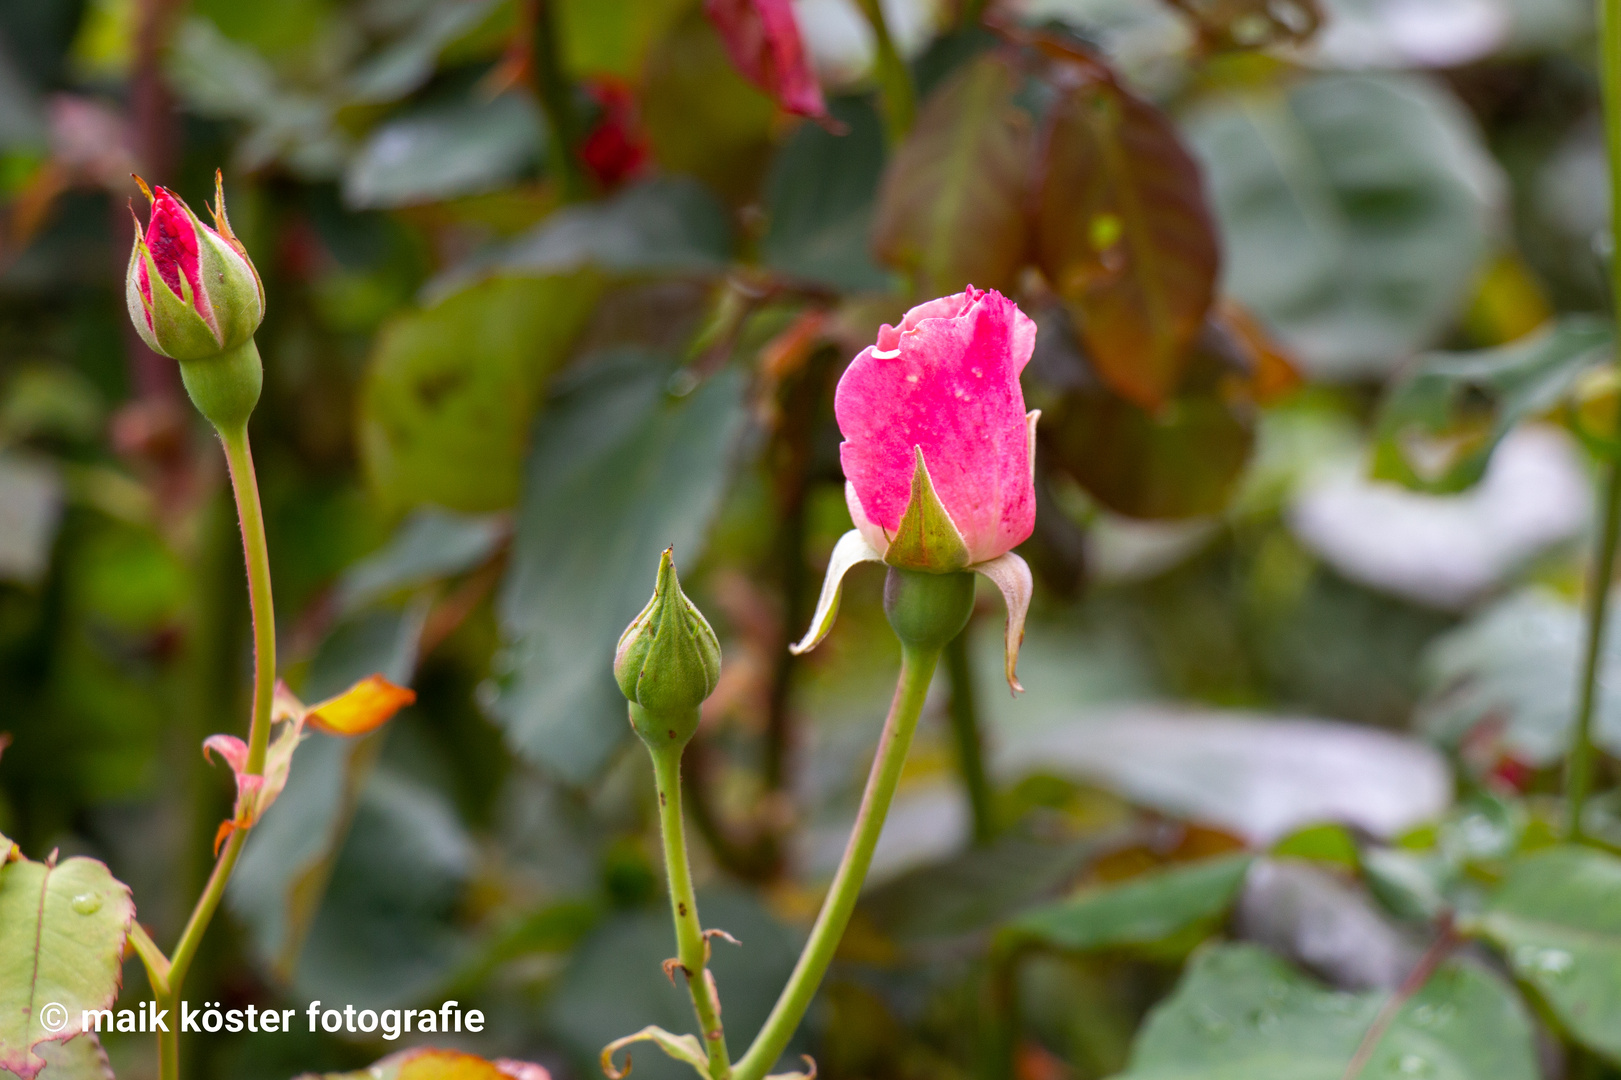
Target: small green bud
{"x": 667, "y": 663}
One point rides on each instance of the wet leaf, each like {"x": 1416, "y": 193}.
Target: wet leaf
{"x": 1240, "y": 1013}
{"x": 62, "y": 928}
{"x": 1354, "y": 212}
{"x": 1124, "y": 235}
{"x": 619, "y": 471}
{"x": 1165, "y": 907}
{"x": 447, "y": 399}
{"x": 1557, "y": 918}
{"x": 952, "y": 209}
{"x": 1439, "y": 424}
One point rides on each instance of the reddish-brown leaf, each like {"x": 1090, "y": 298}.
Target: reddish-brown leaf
{"x": 952, "y": 210}
{"x": 1124, "y": 234}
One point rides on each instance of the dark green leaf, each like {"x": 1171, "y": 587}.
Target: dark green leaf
{"x": 820, "y": 199}
{"x": 619, "y": 471}
{"x": 1439, "y": 424}
{"x": 446, "y": 405}
{"x": 1240, "y": 1013}
{"x": 432, "y": 543}
{"x": 1354, "y": 211}
{"x": 952, "y": 208}
{"x": 1557, "y": 918}
{"x": 1178, "y": 904}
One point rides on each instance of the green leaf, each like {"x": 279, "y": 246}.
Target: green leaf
{"x": 1557, "y": 918}
{"x": 619, "y": 471}
{"x": 1439, "y": 424}
{"x": 446, "y": 403}
{"x": 431, "y": 543}
{"x": 80, "y": 1058}
{"x": 1240, "y": 1013}
{"x": 820, "y": 199}
{"x": 1124, "y": 235}
{"x": 613, "y": 36}
{"x": 62, "y": 928}
{"x": 1354, "y": 211}
{"x": 446, "y": 150}
{"x": 1511, "y": 666}
{"x": 952, "y": 208}
{"x": 1175, "y": 905}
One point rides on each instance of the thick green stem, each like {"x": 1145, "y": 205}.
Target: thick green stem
{"x": 691, "y": 948}
{"x": 244, "y": 485}
{"x": 895, "y": 90}
{"x": 1580, "y": 762}
{"x": 965, "y": 732}
{"x": 917, "y": 668}
{"x": 556, "y": 101}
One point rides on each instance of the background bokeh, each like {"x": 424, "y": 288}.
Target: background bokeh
{"x": 1322, "y": 295}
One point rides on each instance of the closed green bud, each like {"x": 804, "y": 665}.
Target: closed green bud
{"x": 667, "y": 663}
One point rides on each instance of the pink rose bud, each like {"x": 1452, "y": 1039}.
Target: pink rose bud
{"x": 939, "y": 453}
{"x": 192, "y": 291}
{"x": 937, "y": 403}
{"x": 763, "y": 41}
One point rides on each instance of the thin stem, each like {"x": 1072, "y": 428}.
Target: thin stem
{"x": 1439, "y": 950}
{"x": 964, "y": 713}
{"x": 894, "y": 80}
{"x": 1579, "y": 763}
{"x": 250, "y": 514}
{"x": 691, "y": 947}
{"x": 917, "y": 668}
{"x": 556, "y": 102}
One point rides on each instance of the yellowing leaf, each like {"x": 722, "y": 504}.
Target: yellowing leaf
{"x": 363, "y": 707}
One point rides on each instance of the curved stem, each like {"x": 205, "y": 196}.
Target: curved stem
{"x": 917, "y": 668}
{"x": 692, "y": 950}
{"x": 894, "y": 80}
{"x": 1579, "y": 763}
{"x": 250, "y": 514}
{"x": 965, "y": 730}
{"x": 552, "y": 88}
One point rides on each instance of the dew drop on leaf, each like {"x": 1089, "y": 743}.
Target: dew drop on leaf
{"x": 86, "y": 903}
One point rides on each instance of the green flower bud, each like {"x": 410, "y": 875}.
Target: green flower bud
{"x": 667, "y": 663}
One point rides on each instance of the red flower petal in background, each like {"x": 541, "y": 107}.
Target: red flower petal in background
{"x": 763, "y": 41}
{"x": 615, "y": 150}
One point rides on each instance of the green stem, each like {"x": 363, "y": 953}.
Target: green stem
{"x": 691, "y": 948}
{"x": 250, "y": 514}
{"x": 557, "y": 103}
{"x": 1580, "y": 762}
{"x": 964, "y": 713}
{"x": 894, "y": 80}
{"x": 917, "y": 668}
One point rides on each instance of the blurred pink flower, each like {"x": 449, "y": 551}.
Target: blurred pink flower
{"x": 763, "y": 41}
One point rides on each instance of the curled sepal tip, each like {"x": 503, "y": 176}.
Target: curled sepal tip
{"x": 668, "y": 659}
{"x": 808, "y": 1074}
{"x": 851, "y": 550}
{"x": 1011, "y": 575}
{"x": 680, "y": 1047}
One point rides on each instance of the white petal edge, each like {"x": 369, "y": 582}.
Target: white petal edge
{"x": 1011, "y": 575}
{"x": 1030, "y": 422}
{"x": 851, "y": 550}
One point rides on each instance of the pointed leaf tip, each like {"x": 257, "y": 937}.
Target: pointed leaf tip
{"x": 851, "y": 549}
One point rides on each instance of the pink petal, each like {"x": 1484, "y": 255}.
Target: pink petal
{"x": 763, "y": 41}
{"x": 945, "y": 380}
{"x": 232, "y": 750}
{"x": 171, "y": 236}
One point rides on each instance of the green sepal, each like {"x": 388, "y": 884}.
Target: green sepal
{"x": 926, "y": 538}
{"x": 177, "y": 330}
{"x": 233, "y": 289}
{"x": 668, "y": 659}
